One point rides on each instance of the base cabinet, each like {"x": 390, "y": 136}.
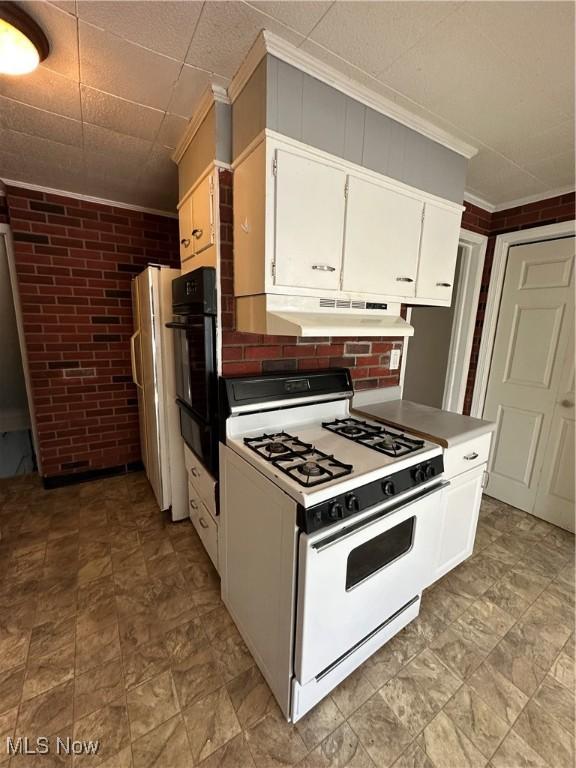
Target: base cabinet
{"x": 460, "y": 517}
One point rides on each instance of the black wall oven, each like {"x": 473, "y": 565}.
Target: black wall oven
{"x": 194, "y": 324}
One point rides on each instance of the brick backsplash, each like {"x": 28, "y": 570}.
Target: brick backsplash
{"x": 75, "y": 260}
{"x": 248, "y": 353}
{"x": 538, "y": 214}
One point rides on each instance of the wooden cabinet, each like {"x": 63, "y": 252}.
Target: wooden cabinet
{"x": 459, "y": 520}
{"x": 438, "y": 252}
{"x": 309, "y": 217}
{"x": 382, "y": 239}
{"x": 308, "y": 224}
{"x": 196, "y": 219}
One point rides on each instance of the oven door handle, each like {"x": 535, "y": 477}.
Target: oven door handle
{"x": 352, "y": 530}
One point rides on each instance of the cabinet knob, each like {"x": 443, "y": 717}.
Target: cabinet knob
{"x": 193, "y": 471}
{"x": 323, "y": 268}
{"x": 193, "y": 504}
{"x": 203, "y": 522}
{"x": 567, "y": 403}
{"x": 471, "y": 456}
{"x": 444, "y": 285}
{"x": 404, "y": 279}
{"x": 185, "y": 242}
{"x": 197, "y": 233}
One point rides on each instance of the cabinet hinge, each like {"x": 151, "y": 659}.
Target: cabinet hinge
{"x": 274, "y": 270}
{"x": 274, "y": 166}
{"x": 423, "y": 212}
{"x": 211, "y": 185}
{"x": 346, "y": 189}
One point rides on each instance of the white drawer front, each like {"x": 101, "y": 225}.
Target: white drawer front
{"x": 468, "y": 455}
{"x": 204, "y": 524}
{"x": 203, "y": 481}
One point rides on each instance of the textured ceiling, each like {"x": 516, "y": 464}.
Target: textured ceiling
{"x": 102, "y": 115}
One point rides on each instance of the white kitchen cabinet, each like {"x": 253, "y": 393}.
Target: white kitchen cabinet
{"x": 309, "y": 217}
{"x": 196, "y": 219}
{"x": 185, "y": 228}
{"x": 459, "y": 520}
{"x": 309, "y": 224}
{"x": 382, "y": 239}
{"x": 204, "y": 523}
{"x": 438, "y": 252}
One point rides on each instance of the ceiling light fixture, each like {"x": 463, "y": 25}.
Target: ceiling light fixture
{"x": 23, "y": 44}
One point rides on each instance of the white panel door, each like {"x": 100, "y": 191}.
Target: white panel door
{"x": 532, "y": 339}
{"x": 381, "y": 240}
{"x": 309, "y": 212}
{"x": 438, "y": 252}
{"x": 555, "y": 498}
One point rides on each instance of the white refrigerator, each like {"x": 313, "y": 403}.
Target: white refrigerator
{"x": 152, "y": 350}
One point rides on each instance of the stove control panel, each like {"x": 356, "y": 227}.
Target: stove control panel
{"x": 365, "y": 496}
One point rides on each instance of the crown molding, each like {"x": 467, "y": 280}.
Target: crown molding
{"x": 211, "y": 95}
{"x": 470, "y": 197}
{"x": 269, "y": 43}
{"x": 534, "y": 198}
{"x": 88, "y": 198}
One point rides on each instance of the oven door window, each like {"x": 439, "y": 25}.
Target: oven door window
{"x": 375, "y": 554}
{"x": 182, "y": 366}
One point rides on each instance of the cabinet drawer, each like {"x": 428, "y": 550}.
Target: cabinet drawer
{"x": 204, "y": 524}
{"x": 202, "y": 480}
{"x": 468, "y": 455}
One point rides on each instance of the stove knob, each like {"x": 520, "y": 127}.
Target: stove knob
{"x": 388, "y": 488}
{"x": 419, "y": 475}
{"x": 336, "y": 512}
{"x": 430, "y": 471}
{"x": 352, "y": 504}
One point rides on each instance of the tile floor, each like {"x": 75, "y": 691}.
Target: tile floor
{"x": 111, "y": 628}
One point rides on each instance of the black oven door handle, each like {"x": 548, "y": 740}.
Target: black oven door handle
{"x": 344, "y": 533}
{"x": 177, "y": 326}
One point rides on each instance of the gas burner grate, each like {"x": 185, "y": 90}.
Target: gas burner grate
{"x": 374, "y": 436}
{"x": 313, "y": 468}
{"x": 277, "y": 445}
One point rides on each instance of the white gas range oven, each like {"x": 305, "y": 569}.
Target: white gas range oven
{"x": 329, "y": 529}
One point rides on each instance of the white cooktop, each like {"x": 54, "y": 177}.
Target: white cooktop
{"x": 368, "y": 464}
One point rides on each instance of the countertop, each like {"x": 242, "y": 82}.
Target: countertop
{"x": 442, "y": 427}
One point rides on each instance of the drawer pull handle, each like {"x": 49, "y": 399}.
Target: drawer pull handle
{"x": 193, "y": 504}
{"x": 203, "y": 522}
{"x": 444, "y": 285}
{"x": 404, "y": 279}
{"x": 185, "y": 242}
{"x": 323, "y": 268}
{"x": 567, "y": 403}
{"x": 194, "y": 472}
{"x": 197, "y": 233}
{"x": 471, "y": 456}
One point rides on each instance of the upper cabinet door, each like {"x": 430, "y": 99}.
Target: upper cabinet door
{"x": 438, "y": 251}
{"x": 382, "y": 238}
{"x": 309, "y": 211}
{"x": 185, "y": 228}
{"x": 203, "y": 215}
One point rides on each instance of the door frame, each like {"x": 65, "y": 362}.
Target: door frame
{"x": 501, "y": 248}
{"x": 6, "y": 232}
{"x": 467, "y": 293}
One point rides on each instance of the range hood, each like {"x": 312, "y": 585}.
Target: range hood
{"x": 279, "y": 315}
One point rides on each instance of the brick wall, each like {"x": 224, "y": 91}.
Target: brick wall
{"x": 248, "y": 353}
{"x": 75, "y": 260}
{"x": 550, "y": 211}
